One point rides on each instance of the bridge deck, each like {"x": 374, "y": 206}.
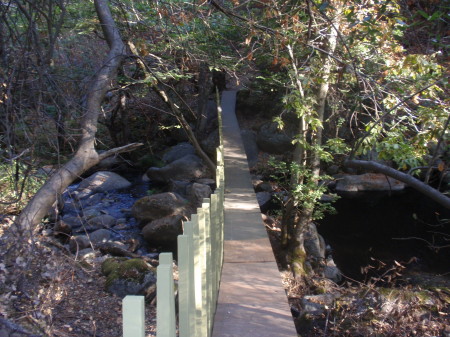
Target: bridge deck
{"x": 252, "y": 301}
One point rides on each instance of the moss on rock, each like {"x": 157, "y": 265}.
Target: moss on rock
{"x": 126, "y": 269}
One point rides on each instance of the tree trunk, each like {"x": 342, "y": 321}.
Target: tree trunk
{"x": 322, "y": 95}
{"x": 304, "y": 213}
{"x": 86, "y": 155}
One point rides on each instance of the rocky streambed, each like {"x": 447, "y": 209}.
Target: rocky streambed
{"x": 125, "y": 223}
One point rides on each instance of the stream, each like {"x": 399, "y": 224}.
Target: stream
{"x": 405, "y": 226}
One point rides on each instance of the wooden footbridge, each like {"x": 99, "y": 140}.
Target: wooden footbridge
{"x": 229, "y": 284}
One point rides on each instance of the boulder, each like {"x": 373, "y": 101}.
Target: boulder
{"x": 251, "y": 146}
{"x": 178, "y": 151}
{"x": 163, "y": 231}
{"x": 315, "y": 304}
{"x": 102, "y": 181}
{"x": 129, "y": 277}
{"x": 210, "y": 143}
{"x": 273, "y": 140}
{"x": 368, "y": 182}
{"x": 99, "y": 236}
{"x": 78, "y": 243}
{"x": 71, "y": 221}
{"x": 263, "y": 186}
{"x": 70, "y": 206}
{"x": 158, "y": 206}
{"x": 207, "y": 181}
{"x": 264, "y": 199}
{"x": 92, "y": 200}
{"x": 314, "y": 244}
{"x": 62, "y": 227}
{"x": 179, "y": 186}
{"x": 102, "y": 221}
{"x": 187, "y": 168}
{"x": 197, "y": 192}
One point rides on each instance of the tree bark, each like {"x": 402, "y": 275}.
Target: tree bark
{"x": 86, "y": 155}
{"x": 403, "y": 177}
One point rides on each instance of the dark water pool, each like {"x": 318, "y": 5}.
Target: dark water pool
{"x": 388, "y": 226}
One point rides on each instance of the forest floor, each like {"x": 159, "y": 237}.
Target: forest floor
{"x": 47, "y": 291}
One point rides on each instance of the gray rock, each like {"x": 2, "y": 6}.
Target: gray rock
{"x": 72, "y": 221}
{"x": 316, "y": 304}
{"x": 102, "y": 221}
{"x": 92, "y": 200}
{"x": 251, "y": 147}
{"x": 264, "y": 186}
{"x": 272, "y": 140}
{"x": 314, "y": 243}
{"x": 333, "y": 169}
{"x": 124, "y": 287}
{"x": 87, "y": 254}
{"x": 62, "y": 227}
{"x": 102, "y": 181}
{"x": 207, "y": 181}
{"x": 264, "y": 199}
{"x": 189, "y": 167}
{"x": 331, "y": 271}
{"x": 197, "y": 192}
{"x": 163, "y": 231}
{"x": 178, "y": 151}
{"x": 368, "y": 182}
{"x": 78, "y": 243}
{"x": 158, "y": 206}
{"x": 210, "y": 143}
{"x": 179, "y": 186}
{"x": 99, "y": 236}
{"x": 71, "y": 206}
{"x": 129, "y": 277}
{"x": 91, "y": 212}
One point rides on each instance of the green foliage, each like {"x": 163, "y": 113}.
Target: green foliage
{"x": 18, "y": 185}
{"x": 307, "y": 195}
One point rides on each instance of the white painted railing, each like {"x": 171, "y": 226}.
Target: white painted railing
{"x": 200, "y": 259}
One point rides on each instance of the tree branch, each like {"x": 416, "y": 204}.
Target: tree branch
{"x": 403, "y": 177}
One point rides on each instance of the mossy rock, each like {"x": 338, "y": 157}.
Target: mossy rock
{"x": 150, "y": 160}
{"x": 129, "y": 270}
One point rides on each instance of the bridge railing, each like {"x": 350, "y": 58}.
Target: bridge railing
{"x": 200, "y": 260}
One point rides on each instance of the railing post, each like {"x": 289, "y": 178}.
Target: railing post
{"x": 206, "y": 206}
{"x": 200, "y": 321}
{"x": 184, "y": 296}
{"x": 133, "y": 316}
{"x": 165, "y": 309}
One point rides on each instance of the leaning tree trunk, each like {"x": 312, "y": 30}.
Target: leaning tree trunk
{"x": 420, "y": 186}
{"x": 86, "y": 155}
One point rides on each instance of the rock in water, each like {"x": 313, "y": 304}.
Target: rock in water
{"x": 368, "y": 182}
{"x": 163, "y": 231}
{"x": 102, "y": 181}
